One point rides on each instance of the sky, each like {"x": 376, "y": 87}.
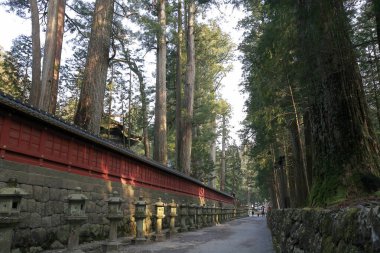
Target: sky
{"x": 12, "y": 26}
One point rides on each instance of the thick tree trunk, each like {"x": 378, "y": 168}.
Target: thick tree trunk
{"x": 299, "y": 175}
{"x": 57, "y": 59}
{"x": 160, "y": 141}
{"x": 90, "y": 107}
{"x": 49, "y": 56}
{"x": 345, "y": 152}
{"x": 299, "y": 149}
{"x": 36, "y": 58}
{"x": 188, "y": 90}
{"x": 178, "y": 89}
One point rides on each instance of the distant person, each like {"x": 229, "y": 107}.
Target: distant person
{"x": 263, "y": 211}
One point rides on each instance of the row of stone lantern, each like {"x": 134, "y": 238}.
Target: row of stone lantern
{"x": 191, "y": 217}
{"x": 10, "y": 202}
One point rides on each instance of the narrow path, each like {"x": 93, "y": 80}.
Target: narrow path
{"x": 247, "y": 235}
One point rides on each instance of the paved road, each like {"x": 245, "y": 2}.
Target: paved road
{"x": 247, "y": 235}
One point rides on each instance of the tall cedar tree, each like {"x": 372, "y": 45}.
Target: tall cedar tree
{"x": 90, "y": 107}
{"x": 52, "y": 56}
{"x": 345, "y": 151}
{"x": 178, "y": 88}
{"x": 188, "y": 90}
{"x": 160, "y": 132}
{"x": 36, "y": 56}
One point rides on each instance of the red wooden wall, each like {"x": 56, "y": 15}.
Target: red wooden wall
{"x": 28, "y": 138}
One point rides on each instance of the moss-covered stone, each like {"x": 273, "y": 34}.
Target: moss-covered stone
{"x": 320, "y": 230}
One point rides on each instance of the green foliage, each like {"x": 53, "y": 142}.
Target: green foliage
{"x": 364, "y": 38}
{"x": 270, "y": 66}
{"x": 15, "y": 68}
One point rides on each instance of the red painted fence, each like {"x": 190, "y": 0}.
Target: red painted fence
{"x": 33, "y": 137}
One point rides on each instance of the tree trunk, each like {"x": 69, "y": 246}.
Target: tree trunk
{"x": 375, "y": 82}
{"x": 90, "y": 107}
{"x": 299, "y": 175}
{"x": 160, "y": 141}
{"x": 57, "y": 59}
{"x": 288, "y": 175}
{"x": 345, "y": 151}
{"x": 223, "y": 158}
{"x": 178, "y": 89}
{"x": 36, "y": 58}
{"x": 129, "y": 110}
{"x": 144, "y": 112}
{"x": 49, "y": 56}
{"x": 308, "y": 145}
{"x": 300, "y": 157}
{"x": 188, "y": 90}
{"x": 212, "y": 182}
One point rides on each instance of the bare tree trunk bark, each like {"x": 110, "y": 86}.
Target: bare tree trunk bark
{"x": 213, "y": 158}
{"x": 160, "y": 139}
{"x": 300, "y": 151}
{"x": 57, "y": 59}
{"x": 345, "y": 151}
{"x": 36, "y": 58}
{"x": 188, "y": 90}
{"x": 300, "y": 179}
{"x": 144, "y": 112}
{"x": 49, "y": 56}
{"x": 273, "y": 182}
{"x": 223, "y": 158}
{"x": 110, "y": 85}
{"x": 308, "y": 145}
{"x": 178, "y": 91}
{"x": 129, "y": 109}
{"x": 90, "y": 107}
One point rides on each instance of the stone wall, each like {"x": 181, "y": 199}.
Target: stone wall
{"x": 43, "y": 224}
{"x": 351, "y": 230}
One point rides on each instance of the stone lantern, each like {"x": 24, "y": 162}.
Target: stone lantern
{"x": 76, "y": 217}
{"x": 184, "y": 214}
{"x": 115, "y": 215}
{"x": 160, "y": 214}
{"x": 10, "y": 200}
{"x": 209, "y": 216}
{"x": 198, "y": 210}
{"x": 173, "y": 214}
{"x": 191, "y": 211}
{"x": 217, "y": 214}
{"x": 223, "y": 214}
{"x": 213, "y": 208}
{"x": 204, "y": 215}
{"x": 140, "y": 215}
